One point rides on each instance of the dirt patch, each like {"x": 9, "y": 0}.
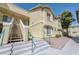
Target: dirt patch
{"x": 58, "y": 42}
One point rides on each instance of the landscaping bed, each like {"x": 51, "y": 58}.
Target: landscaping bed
{"x": 58, "y": 42}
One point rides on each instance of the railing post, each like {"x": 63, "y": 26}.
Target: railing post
{"x": 33, "y": 43}
{"x": 43, "y": 35}
{"x": 11, "y": 48}
{"x": 49, "y": 40}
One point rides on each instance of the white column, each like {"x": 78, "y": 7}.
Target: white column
{"x": 24, "y": 31}
{"x": 7, "y": 28}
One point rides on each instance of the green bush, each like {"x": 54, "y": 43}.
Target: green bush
{"x": 58, "y": 35}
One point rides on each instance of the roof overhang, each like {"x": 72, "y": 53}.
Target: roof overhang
{"x": 12, "y": 10}
{"x": 42, "y": 7}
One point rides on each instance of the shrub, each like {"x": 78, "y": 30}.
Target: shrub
{"x": 58, "y": 35}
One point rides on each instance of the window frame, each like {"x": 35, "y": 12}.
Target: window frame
{"x": 48, "y": 31}
{"x": 48, "y": 16}
{"x": 6, "y": 18}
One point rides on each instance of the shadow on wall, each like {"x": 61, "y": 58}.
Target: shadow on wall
{"x": 76, "y": 39}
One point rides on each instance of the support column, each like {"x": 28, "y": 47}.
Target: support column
{"x": 24, "y": 30}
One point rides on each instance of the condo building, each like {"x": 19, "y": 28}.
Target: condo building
{"x": 16, "y": 23}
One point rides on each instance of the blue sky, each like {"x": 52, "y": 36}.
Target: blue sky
{"x": 57, "y": 8}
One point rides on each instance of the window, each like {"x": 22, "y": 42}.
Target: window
{"x": 48, "y": 31}
{"x": 48, "y": 16}
{"x": 6, "y": 18}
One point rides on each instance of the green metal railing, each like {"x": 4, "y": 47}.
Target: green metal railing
{"x": 2, "y": 36}
{"x": 33, "y": 43}
{"x": 11, "y": 48}
{"x": 49, "y": 41}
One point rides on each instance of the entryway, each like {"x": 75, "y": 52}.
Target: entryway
{"x": 15, "y": 34}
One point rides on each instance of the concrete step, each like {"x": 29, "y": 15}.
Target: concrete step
{"x": 21, "y": 51}
{"x": 26, "y": 48}
{"x": 41, "y": 48}
{"x": 19, "y": 44}
{"x": 5, "y": 49}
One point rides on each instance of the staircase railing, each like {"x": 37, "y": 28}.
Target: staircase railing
{"x": 33, "y": 43}
{"x": 49, "y": 39}
{"x": 2, "y": 36}
{"x": 11, "y": 48}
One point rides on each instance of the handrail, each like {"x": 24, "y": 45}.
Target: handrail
{"x": 2, "y": 34}
{"x": 11, "y": 48}
{"x": 49, "y": 40}
{"x": 33, "y": 43}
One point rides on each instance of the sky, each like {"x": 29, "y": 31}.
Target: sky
{"x": 57, "y": 8}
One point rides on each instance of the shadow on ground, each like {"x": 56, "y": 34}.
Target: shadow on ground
{"x": 76, "y": 39}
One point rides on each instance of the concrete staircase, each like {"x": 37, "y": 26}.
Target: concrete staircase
{"x": 24, "y": 48}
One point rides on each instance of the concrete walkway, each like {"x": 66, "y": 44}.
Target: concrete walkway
{"x": 42, "y": 48}
{"x": 71, "y": 48}
{"x": 59, "y": 42}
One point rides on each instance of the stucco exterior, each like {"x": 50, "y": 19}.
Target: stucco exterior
{"x": 37, "y": 20}
{"x": 15, "y": 13}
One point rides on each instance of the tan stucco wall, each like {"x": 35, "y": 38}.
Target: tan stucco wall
{"x": 57, "y": 25}
{"x": 41, "y": 16}
{"x": 37, "y": 30}
{"x": 52, "y": 22}
{"x": 35, "y": 17}
{"x": 45, "y": 19}
{"x": 36, "y": 23}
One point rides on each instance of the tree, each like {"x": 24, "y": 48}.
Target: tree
{"x": 66, "y": 20}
